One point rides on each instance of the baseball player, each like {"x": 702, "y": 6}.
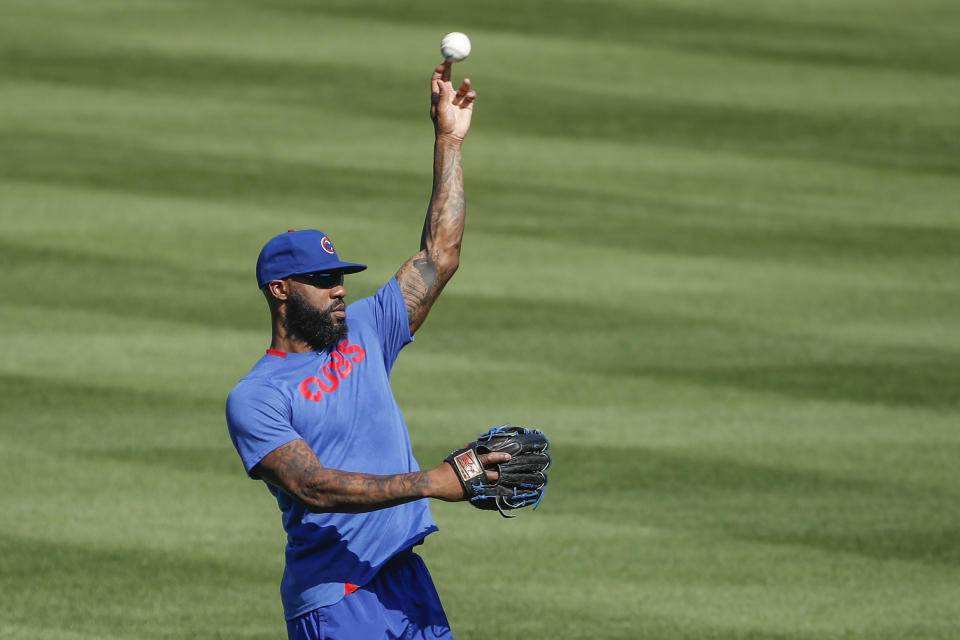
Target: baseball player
{"x": 317, "y": 421}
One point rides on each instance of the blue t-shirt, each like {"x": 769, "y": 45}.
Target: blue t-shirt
{"x": 340, "y": 402}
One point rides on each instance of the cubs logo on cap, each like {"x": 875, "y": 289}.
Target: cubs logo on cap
{"x": 297, "y": 252}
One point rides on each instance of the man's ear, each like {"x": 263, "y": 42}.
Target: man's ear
{"x": 279, "y": 290}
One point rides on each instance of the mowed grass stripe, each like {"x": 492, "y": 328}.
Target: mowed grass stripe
{"x": 670, "y": 222}
{"x": 823, "y": 35}
{"x": 857, "y": 136}
{"x": 817, "y": 368}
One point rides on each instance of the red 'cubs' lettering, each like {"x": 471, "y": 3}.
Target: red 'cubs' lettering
{"x": 343, "y": 366}
{"x": 327, "y": 372}
{"x": 346, "y": 349}
{"x": 331, "y": 373}
{"x": 305, "y": 389}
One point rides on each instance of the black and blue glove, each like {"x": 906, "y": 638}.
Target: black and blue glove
{"x": 523, "y": 478}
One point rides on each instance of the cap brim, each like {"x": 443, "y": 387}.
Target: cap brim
{"x": 334, "y": 267}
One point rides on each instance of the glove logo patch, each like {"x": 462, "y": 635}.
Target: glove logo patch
{"x": 468, "y": 465}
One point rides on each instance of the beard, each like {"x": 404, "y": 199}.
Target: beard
{"x": 311, "y": 325}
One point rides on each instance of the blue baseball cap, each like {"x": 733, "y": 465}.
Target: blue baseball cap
{"x": 297, "y": 252}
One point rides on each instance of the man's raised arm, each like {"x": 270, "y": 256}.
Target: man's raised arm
{"x": 424, "y": 275}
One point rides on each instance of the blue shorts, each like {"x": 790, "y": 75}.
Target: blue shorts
{"x": 400, "y": 602}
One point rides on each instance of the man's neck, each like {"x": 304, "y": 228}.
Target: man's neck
{"x": 281, "y": 341}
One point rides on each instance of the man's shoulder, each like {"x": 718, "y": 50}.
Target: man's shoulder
{"x": 254, "y": 395}
{"x": 251, "y": 385}
{"x": 383, "y": 315}
{"x": 260, "y": 379}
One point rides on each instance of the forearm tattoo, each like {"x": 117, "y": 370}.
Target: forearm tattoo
{"x": 445, "y": 213}
{"x": 343, "y": 491}
{"x": 295, "y": 469}
{"x": 423, "y": 277}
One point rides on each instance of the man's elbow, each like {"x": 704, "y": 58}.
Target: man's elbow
{"x": 448, "y": 261}
{"x": 313, "y": 498}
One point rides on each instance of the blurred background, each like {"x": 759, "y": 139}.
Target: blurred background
{"x": 712, "y": 250}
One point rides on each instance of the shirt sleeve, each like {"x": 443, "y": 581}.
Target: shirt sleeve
{"x": 258, "y": 417}
{"x": 387, "y": 311}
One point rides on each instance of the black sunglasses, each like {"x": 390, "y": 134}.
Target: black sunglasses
{"x": 322, "y": 280}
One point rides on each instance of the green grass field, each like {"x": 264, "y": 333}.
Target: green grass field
{"x": 713, "y": 249}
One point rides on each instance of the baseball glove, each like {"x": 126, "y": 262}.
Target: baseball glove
{"x": 522, "y": 479}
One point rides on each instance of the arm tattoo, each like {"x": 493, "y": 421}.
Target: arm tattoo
{"x": 295, "y": 469}
{"x": 423, "y": 277}
{"x": 418, "y": 285}
{"x": 445, "y": 213}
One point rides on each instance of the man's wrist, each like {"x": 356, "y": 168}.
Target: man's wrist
{"x": 444, "y": 484}
{"x": 449, "y": 140}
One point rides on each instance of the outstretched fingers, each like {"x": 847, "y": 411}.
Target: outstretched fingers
{"x": 464, "y": 96}
{"x": 450, "y": 109}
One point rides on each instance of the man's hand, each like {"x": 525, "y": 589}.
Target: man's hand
{"x": 450, "y": 110}
{"x": 446, "y": 486}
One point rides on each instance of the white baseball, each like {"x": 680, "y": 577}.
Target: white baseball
{"x": 455, "y": 46}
